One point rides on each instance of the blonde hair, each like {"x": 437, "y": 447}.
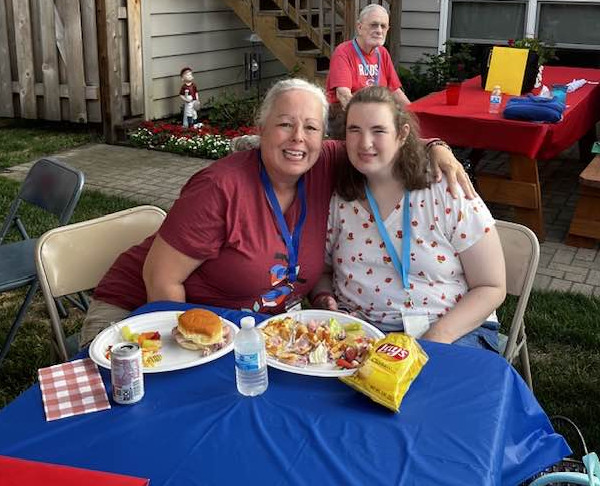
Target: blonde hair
{"x": 285, "y": 85}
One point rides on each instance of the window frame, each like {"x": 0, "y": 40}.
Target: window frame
{"x": 531, "y": 28}
{"x": 565, "y": 45}
{"x": 484, "y": 41}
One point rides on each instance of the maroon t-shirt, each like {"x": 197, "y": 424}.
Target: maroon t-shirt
{"x": 223, "y": 217}
{"x": 191, "y": 88}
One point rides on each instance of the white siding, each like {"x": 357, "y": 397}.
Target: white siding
{"x": 419, "y": 30}
{"x": 203, "y": 34}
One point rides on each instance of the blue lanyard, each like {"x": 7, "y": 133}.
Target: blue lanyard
{"x": 292, "y": 242}
{"x": 404, "y": 267}
{"x": 363, "y": 61}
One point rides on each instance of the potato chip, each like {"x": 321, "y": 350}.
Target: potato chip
{"x": 390, "y": 368}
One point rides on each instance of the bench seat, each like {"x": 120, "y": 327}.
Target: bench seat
{"x": 584, "y": 231}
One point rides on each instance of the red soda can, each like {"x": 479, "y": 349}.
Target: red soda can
{"x": 126, "y": 373}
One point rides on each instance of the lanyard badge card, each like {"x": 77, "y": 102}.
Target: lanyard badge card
{"x": 414, "y": 325}
{"x": 291, "y": 241}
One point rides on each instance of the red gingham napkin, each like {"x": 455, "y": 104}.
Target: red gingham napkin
{"x": 72, "y": 388}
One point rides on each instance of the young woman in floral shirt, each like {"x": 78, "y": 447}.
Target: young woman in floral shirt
{"x": 440, "y": 275}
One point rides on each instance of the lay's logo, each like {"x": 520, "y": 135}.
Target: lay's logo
{"x": 393, "y": 351}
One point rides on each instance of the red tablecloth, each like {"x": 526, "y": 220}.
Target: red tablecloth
{"x": 18, "y": 472}
{"x": 470, "y": 125}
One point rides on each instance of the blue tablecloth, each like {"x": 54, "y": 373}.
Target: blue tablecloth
{"x": 468, "y": 419}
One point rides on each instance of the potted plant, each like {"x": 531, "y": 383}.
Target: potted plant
{"x": 544, "y": 52}
{"x": 456, "y": 59}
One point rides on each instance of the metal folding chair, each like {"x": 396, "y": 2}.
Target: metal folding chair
{"x": 50, "y": 185}
{"x": 521, "y": 254}
{"x": 75, "y": 257}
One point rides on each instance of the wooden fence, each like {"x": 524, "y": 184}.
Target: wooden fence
{"x": 72, "y": 60}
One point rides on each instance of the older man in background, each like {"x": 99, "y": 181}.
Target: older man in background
{"x": 361, "y": 62}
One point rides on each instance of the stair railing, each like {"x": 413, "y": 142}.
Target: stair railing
{"x": 328, "y": 21}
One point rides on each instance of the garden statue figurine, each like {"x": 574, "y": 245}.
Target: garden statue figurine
{"x": 189, "y": 95}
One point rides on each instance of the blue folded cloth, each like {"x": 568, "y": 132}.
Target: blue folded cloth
{"x": 534, "y": 108}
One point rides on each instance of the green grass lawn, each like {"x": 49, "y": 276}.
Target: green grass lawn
{"x": 564, "y": 338}
{"x": 22, "y": 141}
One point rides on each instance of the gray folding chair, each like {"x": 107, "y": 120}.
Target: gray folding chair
{"x": 75, "y": 257}
{"x": 54, "y": 187}
{"x": 521, "y": 254}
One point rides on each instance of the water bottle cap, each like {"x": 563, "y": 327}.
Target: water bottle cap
{"x": 247, "y": 322}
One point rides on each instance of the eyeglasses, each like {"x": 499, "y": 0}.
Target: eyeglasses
{"x": 375, "y": 25}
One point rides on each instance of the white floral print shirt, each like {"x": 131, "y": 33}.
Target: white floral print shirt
{"x": 364, "y": 278}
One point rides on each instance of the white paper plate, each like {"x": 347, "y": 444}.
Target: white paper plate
{"x": 324, "y": 370}
{"x": 174, "y": 357}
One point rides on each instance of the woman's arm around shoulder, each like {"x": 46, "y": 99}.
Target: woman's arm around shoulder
{"x": 443, "y": 161}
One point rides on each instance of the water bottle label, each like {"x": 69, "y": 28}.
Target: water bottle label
{"x": 247, "y": 362}
{"x": 495, "y": 99}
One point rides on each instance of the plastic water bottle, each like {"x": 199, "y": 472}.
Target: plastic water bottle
{"x": 250, "y": 359}
{"x": 495, "y": 100}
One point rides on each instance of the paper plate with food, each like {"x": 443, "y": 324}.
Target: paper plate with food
{"x": 170, "y": 340}
{"x": 318, "y": 342}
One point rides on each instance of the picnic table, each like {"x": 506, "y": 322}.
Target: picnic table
{"x": 469, "y": 124}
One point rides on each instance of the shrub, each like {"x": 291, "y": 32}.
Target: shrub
{"x": 231, "y": 111}
{"x": 433, "y": 71}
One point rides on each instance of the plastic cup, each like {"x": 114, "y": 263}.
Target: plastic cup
{"x": 559, "y": 91}
{"x": 452, "y": 93}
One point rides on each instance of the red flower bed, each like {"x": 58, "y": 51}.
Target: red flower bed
{"x": 166, "y": 128}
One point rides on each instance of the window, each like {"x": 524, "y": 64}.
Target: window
{"x": 569, "y": 25}
{"x": 481, "y": 21}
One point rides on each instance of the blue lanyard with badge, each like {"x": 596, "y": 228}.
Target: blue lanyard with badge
{"x": 292, "y": 241}
{"x": 364, "y": 63}
{"x": 414, "y": 325}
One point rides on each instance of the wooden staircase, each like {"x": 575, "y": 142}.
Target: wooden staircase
{"x": 302, "y": 34}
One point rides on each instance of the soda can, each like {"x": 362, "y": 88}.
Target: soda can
{"x": 126, "y": 373}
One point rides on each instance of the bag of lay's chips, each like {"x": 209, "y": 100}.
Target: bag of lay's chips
{"x": 392, "y": 365}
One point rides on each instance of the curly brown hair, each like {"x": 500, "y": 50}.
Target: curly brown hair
{"x": 411, "y": 164}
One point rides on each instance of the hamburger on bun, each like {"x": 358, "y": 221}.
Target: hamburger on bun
{"x": 200, "y": 329}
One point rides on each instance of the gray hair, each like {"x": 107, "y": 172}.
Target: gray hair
{"x": 368, "y": 9}
{"x": 285, "y": 85}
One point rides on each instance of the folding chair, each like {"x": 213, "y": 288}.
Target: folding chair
{"x": 521, "y": 254}
{"x": 75, "y": 257}
{"x": 54, "y": 187}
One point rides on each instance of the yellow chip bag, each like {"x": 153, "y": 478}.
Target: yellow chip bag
{"x": 392, "y": 365}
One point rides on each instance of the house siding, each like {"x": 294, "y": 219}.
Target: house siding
{"x": 419, "y": 32}
{"x": 205, "y": 35}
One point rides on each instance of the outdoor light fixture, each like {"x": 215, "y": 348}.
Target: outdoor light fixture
{"x": 253, "y": 63}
